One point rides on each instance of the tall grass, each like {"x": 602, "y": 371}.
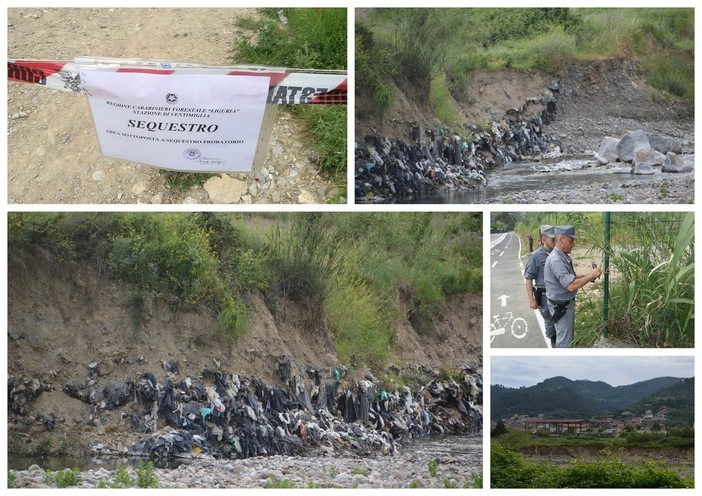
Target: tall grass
{"x": 426, "y": 43}
{"x": 442, "y": 101}
{"x": 372, "y": 59}
{"x": 652, "y": 297}
{"x": 309, "y": 39}
{"x": 357, "y": 275}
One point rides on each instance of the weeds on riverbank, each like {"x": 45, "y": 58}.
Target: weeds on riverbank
{"x": 354, "y": 274}
{"x": 425, "y": 48}
{"x": 145, "y": 478}
{"x": 509, "y": 469}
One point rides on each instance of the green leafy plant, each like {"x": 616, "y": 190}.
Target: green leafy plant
{"x": 67, "y": 478}
{"x": 45, "y": 446}
{"x": 11, "y": 479}
{"x": 146, "y": 477}
{"x": 511, "y": 470}
{"x": 275, "y": 483}
{"x": 477, "y": 480}
{"x": 310, "y": 39}
{"x": 122, "y": 479}
{"x": 49, "y": 477}
{"x": 432, "y": 465}
{"x": 233, "y": 318}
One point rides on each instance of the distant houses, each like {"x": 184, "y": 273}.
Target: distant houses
{"x": 609, "y": 427}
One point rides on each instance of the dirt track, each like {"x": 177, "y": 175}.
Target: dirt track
{"x": 53, "y": 152}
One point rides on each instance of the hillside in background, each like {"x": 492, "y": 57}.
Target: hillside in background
{"x": 560, "y": 397}
{"x": 677, "y": 397}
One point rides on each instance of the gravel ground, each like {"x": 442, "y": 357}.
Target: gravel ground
{"x": 459, "y": 460}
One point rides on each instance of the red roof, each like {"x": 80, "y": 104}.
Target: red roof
{"x": 557, "y": 421}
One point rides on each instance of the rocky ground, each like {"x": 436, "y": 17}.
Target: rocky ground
{"x": 409, "y": 468}
{"x": 661, "y": 188}
{"x": 53, "y": 152}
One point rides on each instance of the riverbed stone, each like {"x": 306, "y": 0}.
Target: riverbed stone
{"x": 675, "y": 163}
{"x": 642, "y": 169}
{"x": 608, "y": 151}
{"x": 664, "y": 144}
{"x": 648, "y": 157}
{"x": 630, "y": 142}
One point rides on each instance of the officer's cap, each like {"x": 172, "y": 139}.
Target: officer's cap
{"x": 566, "y": 230}
{"x": 546, "y": 230}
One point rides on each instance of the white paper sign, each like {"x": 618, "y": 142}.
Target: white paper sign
{"x": 186, "y": 122}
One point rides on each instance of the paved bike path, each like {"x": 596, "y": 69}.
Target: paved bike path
{"x": 512, "y": 323}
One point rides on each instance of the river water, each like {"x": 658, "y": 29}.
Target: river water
{"x": 458, "y": 460}
{"x": 576, "y": 178}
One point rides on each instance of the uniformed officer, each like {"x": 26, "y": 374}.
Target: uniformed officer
{"x": 562, "y": 284}
{"x": 534, "y": 277}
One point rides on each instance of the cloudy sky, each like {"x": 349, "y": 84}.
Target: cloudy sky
{"x": 614, "y": 370}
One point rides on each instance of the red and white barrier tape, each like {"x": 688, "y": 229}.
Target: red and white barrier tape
{"x": 291, "y": 86}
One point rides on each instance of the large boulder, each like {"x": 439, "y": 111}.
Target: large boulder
{"x": 648, "y": 157}
{"x": 632, "y": 141}
{"x": 664, "y": 144}
{"x": 675, "y": 163}
{"x": 608, "y": 151}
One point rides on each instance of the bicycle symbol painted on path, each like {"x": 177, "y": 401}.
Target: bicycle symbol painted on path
{"x": 517, "y": 326}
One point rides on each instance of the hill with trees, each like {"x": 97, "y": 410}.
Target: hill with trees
{"x": 560, "y": 397}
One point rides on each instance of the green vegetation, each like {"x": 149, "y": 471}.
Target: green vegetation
{"x": 559, "y": 397}
{"x": 45, "y": 446}
{"x": 67, "y": 478}
{"x": 509, "y": 469}
{"x": 145, "y": 475}
{"x": 359, "y": 471}
{"x": 651, "y": 284}
{"x": 477, "y": 480}
{"x": 145, "y": 478}
{"x": 355, "y": 274}
{"x": 525, "y": 441}
{"x": 122, "y": 479}
{"x": 310, "y": 39}
{"x": 275, "y": 483}
{"x": 11, "y": 479}
{"x": 430, "y": 50}
{"x": 183, "y": 181}
{"x": 432, "y": 465}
